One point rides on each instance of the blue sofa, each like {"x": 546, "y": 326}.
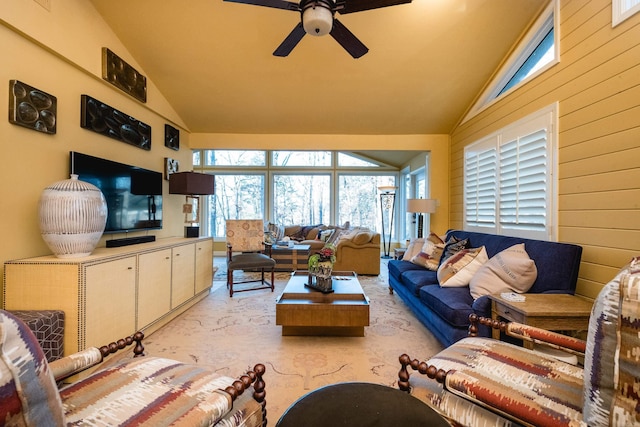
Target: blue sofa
{"x": 445, "y": 311}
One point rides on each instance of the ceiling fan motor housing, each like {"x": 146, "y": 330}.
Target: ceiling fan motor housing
{"x": 317, "y": 17}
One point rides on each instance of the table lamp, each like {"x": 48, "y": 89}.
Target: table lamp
{"x": 192, "y": 185}
{"x": 421, "y": 206}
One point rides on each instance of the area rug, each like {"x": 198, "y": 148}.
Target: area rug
{"x": 230, "y": 335}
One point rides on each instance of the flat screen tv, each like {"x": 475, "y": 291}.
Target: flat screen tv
{"x": 133, "y": 194}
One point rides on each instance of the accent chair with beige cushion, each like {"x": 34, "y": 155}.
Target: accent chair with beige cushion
{"x": 140, "y": 391}
{"x": 491, "y": 382}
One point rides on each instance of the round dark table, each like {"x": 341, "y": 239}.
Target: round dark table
{"x": 359, "y": 405}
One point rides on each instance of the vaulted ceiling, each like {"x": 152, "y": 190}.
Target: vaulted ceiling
{"x": 212, "y": 60}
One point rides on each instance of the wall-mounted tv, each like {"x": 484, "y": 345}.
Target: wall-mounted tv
{"x": 133, "y": 194}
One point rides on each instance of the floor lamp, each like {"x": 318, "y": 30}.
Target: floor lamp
{"x": 421, "y": 206}
{"x": 387, "y": 205}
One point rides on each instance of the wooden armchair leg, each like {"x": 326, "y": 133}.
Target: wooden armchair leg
{"x": 244, "y": 382}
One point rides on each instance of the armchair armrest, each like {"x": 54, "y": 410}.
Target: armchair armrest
{"x": 530, "y": 333}
{"x": 85, "y": 359}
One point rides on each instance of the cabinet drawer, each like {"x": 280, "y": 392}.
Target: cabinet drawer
{"x": 509, "y": 313}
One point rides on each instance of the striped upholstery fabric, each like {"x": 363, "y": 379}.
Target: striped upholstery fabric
{"x": 28, "y": 392}
{"x": 150, "y": 391}
{"x": 540, "y": 390}
{"x": 612, "y": 359}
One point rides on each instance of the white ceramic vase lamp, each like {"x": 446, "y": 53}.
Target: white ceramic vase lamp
{"x": 73, "y": 215}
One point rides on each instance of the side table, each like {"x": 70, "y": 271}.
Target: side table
{"x": 555, "y": 312}
{"x": 359, "y": 405}
{"x": 398, "y": 253}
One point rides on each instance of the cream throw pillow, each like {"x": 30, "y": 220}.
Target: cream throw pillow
{"x": 508, "y": 271}
{"x": 415, "y": 245}
{"x": 430, "y": 253}
{"x": 458, "y": 269}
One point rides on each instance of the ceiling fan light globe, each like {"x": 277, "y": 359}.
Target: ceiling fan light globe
{"x": 317, "y": 21}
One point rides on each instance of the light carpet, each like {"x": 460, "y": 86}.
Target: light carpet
{"x": 230, "y": 335}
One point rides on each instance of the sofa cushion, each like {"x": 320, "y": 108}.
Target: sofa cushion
{"x": 458, "y": 269}
{"x": 416, "y": 279}
{"x": 452, "y": 246}
{"x": 413, "y": 248}
{"x": 362, "y": 237}
{"x": 397, "y": 267}
{"x": 430, "y": 253}
{"x": 452, "y": 304}
{"x": 509, "y": 270}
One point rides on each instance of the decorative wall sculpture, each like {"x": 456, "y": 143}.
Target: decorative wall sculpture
{"x": 31, "y": 107}
{"x": 171, "y": 137}
{"x": 123, "y": 76}
{"x": 103, "y": 119}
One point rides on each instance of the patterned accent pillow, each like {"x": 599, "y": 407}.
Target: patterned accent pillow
{"x": 29, "y": 393}
{"x": 458, "y": 269}
{"x": 610, "y": 344}
{"x": 509, "y": 270}
{"x": 430, "y": 253}
{"x": 415, "y": 245}
{"x": 452, "y": 246}
{"x": 276, "y": 230}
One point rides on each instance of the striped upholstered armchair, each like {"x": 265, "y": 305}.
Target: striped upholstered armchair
{"x": 140, "y": 391}
{"x": 488, "y": 382}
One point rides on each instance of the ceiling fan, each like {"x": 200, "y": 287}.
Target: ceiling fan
{"x": 317, "y": 19}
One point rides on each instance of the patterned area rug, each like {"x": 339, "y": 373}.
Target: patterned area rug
{"x": 230, "y": 335}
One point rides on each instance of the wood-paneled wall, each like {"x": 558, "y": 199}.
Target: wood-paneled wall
{"x": 597, "y": 86}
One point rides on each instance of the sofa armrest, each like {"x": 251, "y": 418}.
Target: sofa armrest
{"x": 85, "y": 359}
{"x": 531, "y": 334}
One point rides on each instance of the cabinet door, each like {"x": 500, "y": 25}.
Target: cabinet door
{"x": 182, "y": 274}
{"x": 204, "y": 265}
{"x": 110, "y": 310}
{"x": 154, "y": 286}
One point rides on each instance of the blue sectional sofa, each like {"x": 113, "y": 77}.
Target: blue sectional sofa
{"x": 445, "y": 310}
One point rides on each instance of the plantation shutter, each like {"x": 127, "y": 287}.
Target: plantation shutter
{"x": 523, "y": 182}
{"x": 480, "y": 186}
{"x": 509, "y": 179}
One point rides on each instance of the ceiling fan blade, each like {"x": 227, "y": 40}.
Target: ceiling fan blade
{"x": 351, "y": 6}
{"x": 291, "y": 41}
{"x": 347, "y": 40}
{"x": 277, "y": 4}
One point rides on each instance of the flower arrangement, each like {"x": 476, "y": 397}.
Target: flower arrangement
{"x": 326, "y": 254}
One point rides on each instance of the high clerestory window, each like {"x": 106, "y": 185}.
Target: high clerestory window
{"x": 537, "y": 52}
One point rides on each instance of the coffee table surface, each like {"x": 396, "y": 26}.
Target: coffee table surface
{"x": 359, "y": 404}
{"x": 305, "y": 311}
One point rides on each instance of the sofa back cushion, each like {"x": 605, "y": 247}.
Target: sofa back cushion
{"x": 612, "y": 371}
{"x": 557, "y": 263}
{"x": 29, "y": 393}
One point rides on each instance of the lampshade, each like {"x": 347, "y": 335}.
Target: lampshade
{"x": 191, "y": 183}
{"x": 421, "y": 205}
{"x": 317, "y": 19}
{"x": 387, "y": 188}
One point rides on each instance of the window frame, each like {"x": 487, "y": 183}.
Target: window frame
{"x": 545, "y": 118}
{"x": 620, "y": 12}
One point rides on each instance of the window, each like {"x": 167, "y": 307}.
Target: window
{"x": 537, "y": 53}
{"x": 236, "y": 197}
{"x": 293, "y": 187}
{"x": 622, "y": 10}
{"x": 301, "y": 199}
{"x": 509, "y": 179}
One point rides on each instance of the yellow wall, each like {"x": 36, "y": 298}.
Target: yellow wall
{"x": 597, "y": 85}
{"x": 59, "y": 52}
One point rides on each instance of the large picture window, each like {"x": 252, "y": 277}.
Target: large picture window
{"x": 509, "y": 179}
{"x": 236, "y": 197}
{"x": 301, "y": 199}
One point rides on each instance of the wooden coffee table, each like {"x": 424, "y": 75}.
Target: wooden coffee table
{"x": 305, "y": 311}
